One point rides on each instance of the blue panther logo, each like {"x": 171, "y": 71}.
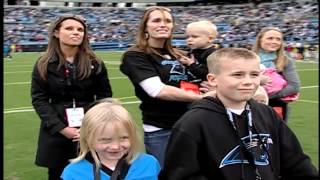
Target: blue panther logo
{"x": 260, "y": 156}
{"x": 177, "y": 71}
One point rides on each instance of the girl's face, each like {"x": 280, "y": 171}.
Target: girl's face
{"x": 159, "y": 25}
{"x": 70, "y": 33}
{"x": 112, "y": 143}
{"x": 271, "y": 41}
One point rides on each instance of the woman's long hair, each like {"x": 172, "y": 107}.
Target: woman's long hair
{"x": 142, "y": 37}
{"x": 84, "y": 56}
{"x": 281, "y": 61}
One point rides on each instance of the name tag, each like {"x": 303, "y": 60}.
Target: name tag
{"x": 74, "y": 116}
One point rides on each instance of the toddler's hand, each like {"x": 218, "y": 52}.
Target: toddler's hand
{"x": 265, "y": 80}
{"x": 187, "y": 61}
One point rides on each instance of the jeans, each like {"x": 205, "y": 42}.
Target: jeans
{"x": 156, "y": 143}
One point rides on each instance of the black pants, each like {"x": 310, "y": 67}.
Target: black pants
{"x": 283, "y": 105}
{"x": 55, "y": 173}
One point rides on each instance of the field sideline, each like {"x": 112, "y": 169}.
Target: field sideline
{"x": 21, "y": 123}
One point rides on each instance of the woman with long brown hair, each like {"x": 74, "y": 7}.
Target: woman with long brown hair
{"x": 65, "y": 80}
{"x": 160, "y": 80}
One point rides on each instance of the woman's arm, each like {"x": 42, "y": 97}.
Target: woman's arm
{"x": 40, "y": 102}
{"x": 292, "y": 77}
{"x": 140, "y": 70}
{"x": 156, "y": 89}
{"x": 172, "y": 93}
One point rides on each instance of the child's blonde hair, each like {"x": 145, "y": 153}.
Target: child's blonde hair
{"x": 107, "y": 111}
{"x": 206, "y": 26}
{"x": 261, "y": 92}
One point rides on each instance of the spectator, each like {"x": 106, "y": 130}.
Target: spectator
{"x": 236, "y": 24}
{"x": 12, "y": 48}
{"x": 231, "y": 136}
{"x": 110, "y": 147}
{"x": 152, "y": 66}
{"x": 65, "y": 80}
{"x": 270, "y": 47}
{"x": 6, "y": 51}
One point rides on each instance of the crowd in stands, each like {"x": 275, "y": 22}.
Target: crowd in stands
{"x": 237, "y": 24}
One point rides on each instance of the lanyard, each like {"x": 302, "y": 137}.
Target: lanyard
{"x": 249, "y": 119}
{"x": 247, "y": 152}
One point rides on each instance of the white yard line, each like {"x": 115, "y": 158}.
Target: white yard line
{"x": 117, "y": 68}
{"x": 21, "y": 83}
{"x": 308, "y": 87}
{"x": 30, "y": 109}
{"x": 21, "y": 72}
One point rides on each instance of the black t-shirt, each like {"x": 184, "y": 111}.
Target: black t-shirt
{"x": 139, "y": 66}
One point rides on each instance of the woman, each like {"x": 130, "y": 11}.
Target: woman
{"x": 110, "y": 147}
{"x": 270, "y": 47}
{"x": 65, "y": 80}
{"x": 159, "y": 78}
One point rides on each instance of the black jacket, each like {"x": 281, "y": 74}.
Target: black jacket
{"x": 200, "y": 69}
{"x": 51, "y": 97}
{"x": 204, "y": 146}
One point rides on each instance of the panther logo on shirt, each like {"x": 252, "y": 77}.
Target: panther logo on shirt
{"x": 254, "y": 146}
{"x": 177, "y": 72}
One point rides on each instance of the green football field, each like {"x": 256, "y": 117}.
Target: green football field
{"x": 21, "y": 123}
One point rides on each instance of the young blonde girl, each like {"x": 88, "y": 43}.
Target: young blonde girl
{"x": 108, "y": 136}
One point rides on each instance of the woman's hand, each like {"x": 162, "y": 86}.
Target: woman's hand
{"x": 212, "y": 93}
{"x": 71, "y": 133}
{"x": 205, "y": 87}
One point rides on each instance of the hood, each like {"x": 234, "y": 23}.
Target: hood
{"x": 214, "y": 104}
{"x": 210, "y": 103}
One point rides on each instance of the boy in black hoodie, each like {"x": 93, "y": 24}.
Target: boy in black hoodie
{"x": 233, "y": 137}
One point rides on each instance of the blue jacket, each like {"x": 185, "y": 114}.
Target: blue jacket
{"x": 145, "y": 167}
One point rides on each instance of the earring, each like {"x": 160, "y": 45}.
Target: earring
{"x": 147, "y": 35}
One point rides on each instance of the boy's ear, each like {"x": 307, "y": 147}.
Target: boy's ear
{"x": 212, "y": 80}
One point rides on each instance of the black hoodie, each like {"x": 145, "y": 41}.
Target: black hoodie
{"x": 205, "y": 146}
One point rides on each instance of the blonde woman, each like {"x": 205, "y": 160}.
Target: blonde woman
{"x": 270, "y": 48}
{"x": 110, "y": 147}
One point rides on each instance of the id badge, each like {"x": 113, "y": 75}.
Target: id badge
{"x": 187, "y": 86}
{"x": 74, "y": 116}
